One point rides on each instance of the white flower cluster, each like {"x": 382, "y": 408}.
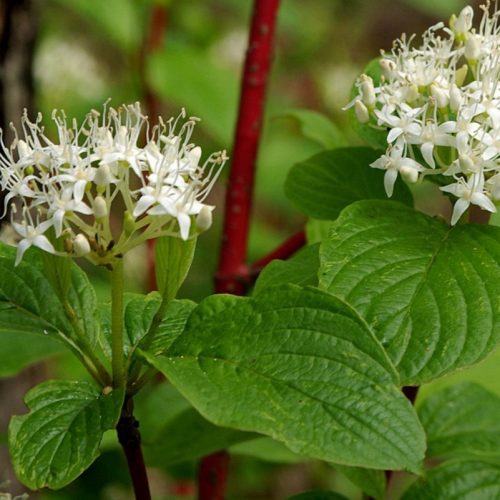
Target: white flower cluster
{"x": 62, "y": 193}
{"x": 440, "y": 104}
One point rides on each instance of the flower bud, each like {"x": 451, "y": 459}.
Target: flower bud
{"x": 367, "y": 91}
{"x": 204, "y": 218}
{"x": 100, "y": 207}
{"x": 466, "y": 163}
{"x": 461, "y": 74}
{"x": 455, "y": 98}
{"x": 440, "y": 96}
{"x": 361, "y": 112}
{"x": 387, "y": 67}
{"x": 81, "y": 245}
{"x": 409, "y": 174}
{"x": 463, "y": 23}
{"x": 472, "y": 48}
{"x": 22, "y": 149}
{"x": 128, "y": 223}
{"x": 103, "y": 175}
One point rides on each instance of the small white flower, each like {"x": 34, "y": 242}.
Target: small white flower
{"x": 32, "y": 236}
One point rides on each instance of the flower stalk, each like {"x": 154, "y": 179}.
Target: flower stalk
{"x": 117, "y": 357}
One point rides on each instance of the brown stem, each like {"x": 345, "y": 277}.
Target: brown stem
{"x": 129, "y": 437}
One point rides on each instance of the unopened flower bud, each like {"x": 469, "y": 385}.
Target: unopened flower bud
{"x": 472, "y": 49}
{"x": 361, "y": 112}
{"x": 128, "y": 223}
{"x": 204, "y": 218}
{"x": 463, "y": 23}
{"x": 439, "y": 95}
{"x": 455, "y": 98}
{"x": 22, "y": 149}
{"x": 409, "y": 174}
{"x": 466, "y": 163}
{"x": 412, "y": 93}
{"x": 81, "y": 245}
{"x": 103, "y": 175}
{"x": 100, "y": 207}
{"x": 461, "y": 74}
{"x": 387, "y": 67}
{"x": 367, "y": 91}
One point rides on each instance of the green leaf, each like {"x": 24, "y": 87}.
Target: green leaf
{"x": 126, "y": 32}
{"x": 19, "y": 349}
{"x": 317, "y": 127}
{"x": 318, "y": 495}
{"x": 174, "y": 73}
{"x": 139, "y": 314}
{"x": 317, "y": 230}
{"x": 431, "y": 293}
{"x": 59, "y": 438}
{"x": 267, "y": 450}
{"x": 464, "y": 480}
{"x": 291, "y": 361}
{"x": 370, "y": 481}
{"x": 30, "y": 305}
{"x": 324, "y": 184}
{"x": 301, "y": 269}
{"x": 462, "y": 421}
{"x": 174, "y": 432}
{"x": 173, "y": 260}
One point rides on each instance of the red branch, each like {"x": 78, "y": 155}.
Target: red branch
{"x": 285, "y": 250}
{"x": 232, "y": 274}
{"x": 232, "y": 263}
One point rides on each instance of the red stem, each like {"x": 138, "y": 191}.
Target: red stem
{"x": 285, "y": 250}
{"x": 232, "y": 263}
{"x": 232, "y": 273}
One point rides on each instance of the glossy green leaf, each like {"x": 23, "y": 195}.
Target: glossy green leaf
{"x": 139, "y": 314}
{"x": 323, "y": 185}
{"x": 267, "y": 450}
{"x": 300, "y": 366}
{"x": 301, "y": 269}
{"x": 318, "y": 127}
{"x": 464, "y": 480}
{"x": 174, "y": 432}
{"x": 173, "y": 260}
{"x": 372, "y": 482}
{"x": 59, "y": 438}
{"x": 462, "y": 421}
{"x": 29, "y": 305}
{"x": 431, "y": 293}
{"x": 174, "y": 73}
{"x": 317, "y": 230}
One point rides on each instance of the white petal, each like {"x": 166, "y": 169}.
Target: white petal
{"x": 42, "y": 242}
{"x": 489, "y": 153}
{"x": 481, "y": 200}
{"x": 394, "y": 134}
{"x": 143, "y": 204}
{"x": 427, "y": 150}
{"x": 58, "y": 218}
{"x": 22, "y": 246}
{"x": 184, "y": 225}
{"x": 460, "y": 207}
{"x": 79, "y": 190}
{"x": 389, "y": 180}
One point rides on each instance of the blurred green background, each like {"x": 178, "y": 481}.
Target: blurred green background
{"x": 89, "y": 50}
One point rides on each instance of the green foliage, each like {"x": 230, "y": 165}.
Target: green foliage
{"x": 173, "y": 260}
{"x": 318, "y": 127}
{"x": 139, "y": 315}
{"x": 326, "y": 183}
{"x": 301, "y": 269}
{"x": 370, "y": 481}
{"x": 289, "y": 362}
{"x": 267, "y": 450}
{"x": 466, "y": 480}
{"x": 175, "y": 73}
{"x": 462, "y": 421}
{"x": 431, "y": 293}
{"x": 59, "y": 438}
{"x": 31, "y": 309}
